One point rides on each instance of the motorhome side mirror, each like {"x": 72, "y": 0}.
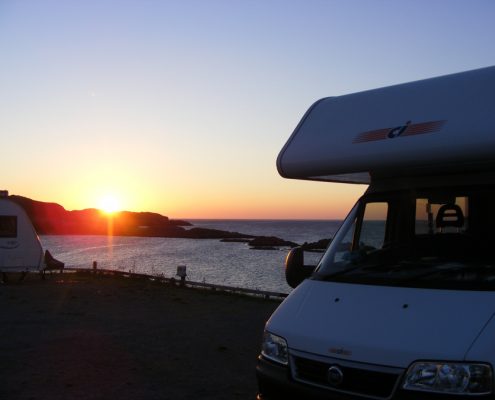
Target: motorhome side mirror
{"x": 295, "y": 270}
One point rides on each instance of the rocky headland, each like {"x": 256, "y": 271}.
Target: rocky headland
{"x": 53, "y": 219}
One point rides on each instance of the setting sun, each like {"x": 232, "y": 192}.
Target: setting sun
{"x": 109, "y": 204}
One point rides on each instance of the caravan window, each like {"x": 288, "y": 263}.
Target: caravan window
{"x": 8, "y": 226}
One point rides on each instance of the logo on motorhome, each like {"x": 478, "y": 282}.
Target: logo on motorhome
{"x": 408, "y": 129}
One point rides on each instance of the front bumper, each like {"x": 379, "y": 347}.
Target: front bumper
{"x": 276, "y": 382}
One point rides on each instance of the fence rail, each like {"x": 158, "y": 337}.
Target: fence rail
{"x": 179, "y": 282}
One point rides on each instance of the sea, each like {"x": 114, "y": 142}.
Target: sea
{"x": 206, "y": 260}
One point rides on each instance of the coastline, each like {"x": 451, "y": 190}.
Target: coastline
{"x": 81, "y": 336}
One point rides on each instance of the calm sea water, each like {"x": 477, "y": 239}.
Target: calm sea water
{"x": 212, "y": 261}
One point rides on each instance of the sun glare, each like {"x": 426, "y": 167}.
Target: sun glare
{"x": 109, "y": 204}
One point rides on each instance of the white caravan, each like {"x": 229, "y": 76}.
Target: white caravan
{"x": 20, "y": 247}
{"x": 402, "y": 303}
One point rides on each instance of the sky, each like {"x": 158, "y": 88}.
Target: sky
{"x": 181, "y": 107}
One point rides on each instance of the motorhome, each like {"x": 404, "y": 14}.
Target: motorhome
{"x": 402, "y": 303}
{"x": 20, "y": 247}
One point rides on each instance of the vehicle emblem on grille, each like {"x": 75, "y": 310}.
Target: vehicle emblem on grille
{"x": 335, "y": 376}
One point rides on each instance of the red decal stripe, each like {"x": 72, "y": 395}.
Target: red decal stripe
{"x": 412, "y": 129}
{"x": 425, "y": 127}
{"x": 370, "y": 136}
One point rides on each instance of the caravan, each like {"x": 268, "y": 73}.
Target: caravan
{"x": 20, "y": 247}
{"x": 402, "y": 303}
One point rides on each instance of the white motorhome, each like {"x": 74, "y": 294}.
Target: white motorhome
{"x": 402, "y": 303}
{"x": 20, "y": 247}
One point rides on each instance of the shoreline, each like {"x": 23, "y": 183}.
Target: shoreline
{"x": 79, "y": 335}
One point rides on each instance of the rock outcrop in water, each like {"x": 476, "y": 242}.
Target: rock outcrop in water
{"x": 270, "y": 243}
{"x": 319, "y": 246}
{"x": 208, "y": 233}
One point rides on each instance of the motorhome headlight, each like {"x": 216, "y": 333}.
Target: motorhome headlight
{"x": 449, "y": 378}
{"x": 274, "y": 348}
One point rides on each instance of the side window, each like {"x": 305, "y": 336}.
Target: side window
{"x": 448, "y": 216}
{"x": 8, "y": 226}
{"x": 373, "y": 228}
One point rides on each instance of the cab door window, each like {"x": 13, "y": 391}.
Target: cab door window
{"x": 373, "y": 226}
{"x": 357, "y": 237}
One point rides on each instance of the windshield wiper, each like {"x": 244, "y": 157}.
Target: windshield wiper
{"x": 332, "y": 275}
{"x": 455, "y": 268}
{"x": 363, "y": 268}
{"x": 377, "y": 268}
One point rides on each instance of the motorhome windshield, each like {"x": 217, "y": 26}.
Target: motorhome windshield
{"x": 434, "y": 238}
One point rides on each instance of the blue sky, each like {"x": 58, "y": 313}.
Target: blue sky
{"x": 181, "y": 107}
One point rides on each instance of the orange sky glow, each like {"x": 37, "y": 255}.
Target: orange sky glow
{"x": 181, "y": 107}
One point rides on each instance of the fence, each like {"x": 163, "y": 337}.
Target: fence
{"x": 185, "y": 283}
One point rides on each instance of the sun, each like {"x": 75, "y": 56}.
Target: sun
{"x": 109, "y": 204}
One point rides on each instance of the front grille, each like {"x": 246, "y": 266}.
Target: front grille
{"x": 355, "y": 380}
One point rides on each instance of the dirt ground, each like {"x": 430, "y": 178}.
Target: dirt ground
{"x": 76, "y": 336}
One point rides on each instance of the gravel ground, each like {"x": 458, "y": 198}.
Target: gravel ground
{"x": 78, "y": 336}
